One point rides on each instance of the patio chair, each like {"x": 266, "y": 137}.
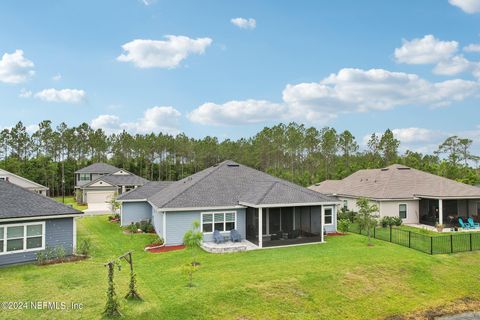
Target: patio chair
{"x": 464, "y": 225}
{"x": 235, "y": 236}
{"x": 472, "y": 223}
{"x": 217, "y": 237}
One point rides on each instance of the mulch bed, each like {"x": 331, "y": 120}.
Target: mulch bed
{"x": 64, "y": 260}
{"x": 335, "y": 234}
{"x": 166, "y": 249}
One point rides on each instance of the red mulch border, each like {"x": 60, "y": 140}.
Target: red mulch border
{"x": 166, "y": 249}
{"x": 336, "y": 234}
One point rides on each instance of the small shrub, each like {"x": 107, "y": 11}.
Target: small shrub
{"x": 41, "y": 257}
{"x": 390, "y": 221}
{"x": 132, "y": 228}
{"x": 60, "y": 253}
{"x": 345, "y": 214}
{"x": 397, "y": 221}
{"x": 158, "y": 241}
{"x": 343, "y": 225}
{"x": 84, "y": 247}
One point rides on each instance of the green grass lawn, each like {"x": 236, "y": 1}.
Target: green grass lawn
{"x": 341, "y": 279}
{"x": 71, "y": 200}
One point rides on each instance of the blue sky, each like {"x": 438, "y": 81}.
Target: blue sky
{"x": 186, "y": 66}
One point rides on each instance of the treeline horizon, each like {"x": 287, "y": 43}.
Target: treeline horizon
{"x": 303, "y": 155}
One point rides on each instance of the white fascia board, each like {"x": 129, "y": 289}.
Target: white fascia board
{"x": 132, "y": 200}
{"x": 200, "y": 208}
{"x": 281, "y": 205}
{"x": 42, "y": 217}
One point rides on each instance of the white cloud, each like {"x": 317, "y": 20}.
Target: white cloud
{"x": 348, "y": 91}
{"x": 473, "y": 47}
{"x": 15, "y": 68}
{"x": 148, "y": 2}
{"x": 61, "y": 95}
{"x": 455, "y": 65}
{"x": 468, "y": 6}
{"x": 167, "y": 53}
{"x": 236, "y": 112}
{"x": 157, "y": 119}
{"x": 24, "y": 93}
{"x": 57, "y": 77}
{"x": 425, "y": 51}
{"x": 243, "y": 23}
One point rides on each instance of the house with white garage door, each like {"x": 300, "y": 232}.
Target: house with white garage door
{"x": 97, "y": 184}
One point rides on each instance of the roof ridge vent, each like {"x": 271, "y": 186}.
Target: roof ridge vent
{"x": 403, "y": 168}
{"x": 384, "y": 169}
{"x": 233, "y": 165}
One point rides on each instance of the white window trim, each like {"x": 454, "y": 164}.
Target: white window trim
{"x": 323, "y": 212}
{"x": 213, "y": 221}
{"x": 5, "y": 226}
{"x": 406, "y": 210}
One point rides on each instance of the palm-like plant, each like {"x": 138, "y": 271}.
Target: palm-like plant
{"x": 192, "y": 239}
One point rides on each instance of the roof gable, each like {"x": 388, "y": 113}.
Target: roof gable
{"x": 17, "y": 202}
{"x": 396, "y": 182}
{"x": 229, "y": 183}
{"x": 99, "y": 167}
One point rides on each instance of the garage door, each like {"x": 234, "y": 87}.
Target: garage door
{"x": 98, "y": 199}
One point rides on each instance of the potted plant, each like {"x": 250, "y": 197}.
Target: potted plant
{"x": 439, "y": 227}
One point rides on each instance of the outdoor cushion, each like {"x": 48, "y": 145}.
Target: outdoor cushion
{"x": 464, "y": 225}
{"x": 472, "y": 223}
{"x": 235, "y": 236}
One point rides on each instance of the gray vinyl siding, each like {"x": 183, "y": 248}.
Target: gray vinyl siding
{"x": 179, "y": 222}
{"x": 157, "y": 221}
{"x": 135, "y": 212}
{"x": 58, "y": 232}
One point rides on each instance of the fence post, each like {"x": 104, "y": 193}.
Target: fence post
{"x": 471, "y": 248}
{"x": 390, "y": 233}
{"x": 451, "y": 243}
{"x": 409, "y": 238}
{"x": 431, "y": 245}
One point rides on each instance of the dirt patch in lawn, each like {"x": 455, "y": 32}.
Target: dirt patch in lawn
{"x": 166, "y": 249}
{"x": 457, "y": 307}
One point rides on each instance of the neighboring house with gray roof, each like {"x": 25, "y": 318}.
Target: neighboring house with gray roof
{"x": 23, "y": 182}
{"x": 413, "y": 195}
{"x": 265, "y": 210}
{"x": 98, "y": 183}
{"x": 30, "y": 222}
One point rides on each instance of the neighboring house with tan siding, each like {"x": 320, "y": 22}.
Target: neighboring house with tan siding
{"x": 416, "y": 196}
{"x": 23, "y": 182}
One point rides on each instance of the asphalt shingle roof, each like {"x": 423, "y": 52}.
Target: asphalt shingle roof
{"x": 148, "y": 189}
{"x": 99, "y": 167}
{"x": 230, "y": 183}
{"x": 396, "y": 182}
{"x": 16, "y": 202}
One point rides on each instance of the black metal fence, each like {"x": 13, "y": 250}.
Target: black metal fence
{"x": 447, "y": 243}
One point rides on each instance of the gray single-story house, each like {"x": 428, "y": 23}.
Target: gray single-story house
{"x": 417, "y": 197}
{"x": 98, "y": 183}
{"x": 23, "y": 182}
{"x": 265, "y": 210}
{"x": 30, "y": 222}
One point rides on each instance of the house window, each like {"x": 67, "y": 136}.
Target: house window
{"x": 3, "y": 179}
{"x": 22, "y": 237}
{"x": 221, "y": 221}
{"x": 402, "y": 210}
{"x": 345, "y": 204}
{"x": 328, "y": 214}
{"x": 84, "y": 177}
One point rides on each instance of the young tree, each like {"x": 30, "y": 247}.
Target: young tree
{"x": 193, "y": 240}
{"x": 366, "y": 216}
